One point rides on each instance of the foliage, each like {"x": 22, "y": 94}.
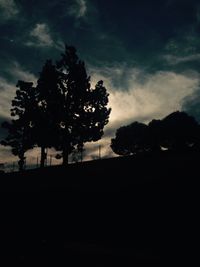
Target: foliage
{"x": 177, "y": 132}
{"x": 84, "y": 111}
{"x": 180, "y": 131}
{"x": 63, "y": 111}
{"x": 130, "y": 139}
{"x": 48, "y": 111}
{"x": 20, "y": 135}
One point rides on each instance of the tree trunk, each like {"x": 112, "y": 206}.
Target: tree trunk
{"x": 81, "y": 155}
{"x": 65, "y": 157}
{"x": 43, "y": 157}
{"x": 21, "y": 162}
{"x": 66, "y": 147}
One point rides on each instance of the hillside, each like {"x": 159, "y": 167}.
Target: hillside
{"x": 106, "y": 175}
{"x": 119, "y": 211}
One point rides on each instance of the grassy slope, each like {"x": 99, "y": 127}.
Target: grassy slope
{"x": 111, "y": 212}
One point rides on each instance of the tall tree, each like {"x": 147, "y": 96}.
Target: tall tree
{"x": 63, "y": 111}
{"x": 49, "y": 110}
{"x": 84, "y": 110}
{"x": 20, "y": 129}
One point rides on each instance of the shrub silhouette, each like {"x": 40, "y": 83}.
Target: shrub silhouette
{"x": 130, "y": 139}
{"x": 177, "y": 132}
{"x": 155, "y": 135}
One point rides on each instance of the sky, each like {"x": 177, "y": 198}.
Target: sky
{"x": 147, "y": 52}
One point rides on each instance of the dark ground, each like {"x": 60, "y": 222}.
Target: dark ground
{"x": 116, "y": 212}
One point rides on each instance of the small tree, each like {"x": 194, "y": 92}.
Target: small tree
{"x": 20, "y": 129}
{"x": 84, "y": 110}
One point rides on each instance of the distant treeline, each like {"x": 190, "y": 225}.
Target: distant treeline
{"x": 176, "y": 132}
{"x": 62, "y": 111}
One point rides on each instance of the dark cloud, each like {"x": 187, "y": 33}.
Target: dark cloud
{"x": 104, "y": 31}
{"x": 147, "y": 51}
{"x": 8, "y": 10}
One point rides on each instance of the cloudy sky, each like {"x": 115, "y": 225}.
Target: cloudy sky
{"x": 146, "y": 51}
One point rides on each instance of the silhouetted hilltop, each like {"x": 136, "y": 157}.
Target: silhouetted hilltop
{"x": 113, "y": 212}
{"x": 107, "y": 175}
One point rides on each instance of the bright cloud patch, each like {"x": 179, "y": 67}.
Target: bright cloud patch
{"x": 8, "y": 89}
{"x": 146, "y": 97}
{"x": 159, "y": 95}
{"x": 8, "y": 9}
{"x": 19, "y": 73}
{"x": 78, "y": 9}
{"x": 40, "y": 36}
{"x": 6, "y": 95}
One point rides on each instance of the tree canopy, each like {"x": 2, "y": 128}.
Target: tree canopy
{"x": 20, "y": 130}
{"x": 180, "y": 131}
{"x": 63, "y": 111}
{"x": 130, "y": 139}
{"x": 49, "y": 109}
{"x": 84, "y": 109}
{"x": 176, "y": 132}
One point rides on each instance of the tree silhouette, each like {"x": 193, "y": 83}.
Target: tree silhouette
{"x": 49, "y": 108}
{"x": 84, "y": 111}
{"x": 155, "y": 133}
{"x": 130, "y": 139}
{"x": 176, "y": 132}
{"x": 179, "y": 132}
{"x": 20, "y": 129}
{"x": 63, "y": 111}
